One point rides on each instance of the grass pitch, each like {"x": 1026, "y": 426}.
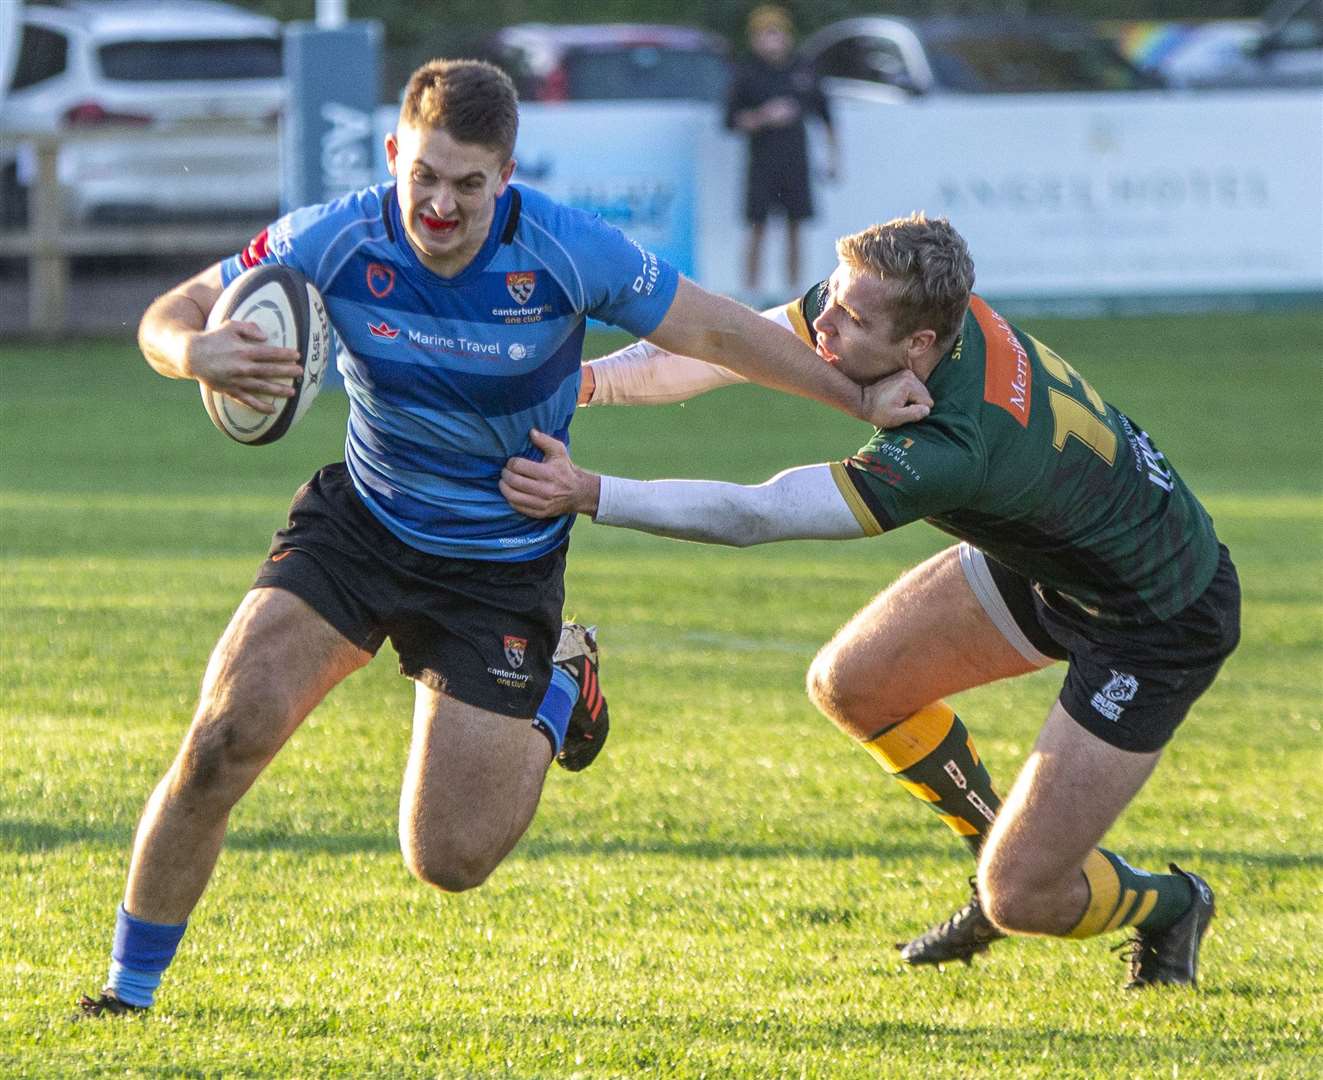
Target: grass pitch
{"x": 718, "y": 895}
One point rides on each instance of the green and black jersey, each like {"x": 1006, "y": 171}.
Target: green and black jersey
{"x": 1023, "y": 459}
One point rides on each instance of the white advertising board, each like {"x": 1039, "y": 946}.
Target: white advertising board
{"x": 1061, "y": 197}
{"x": 1099, "y": 195}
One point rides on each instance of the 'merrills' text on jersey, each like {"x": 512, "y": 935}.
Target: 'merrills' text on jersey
{"x": 446, "y": 376}
{"x": 1021, "y": 457}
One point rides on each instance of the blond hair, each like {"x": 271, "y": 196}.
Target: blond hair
{"x": 770, "y": 17}
{"x": 471, "y": 100}
{"x": 927, "y": 266}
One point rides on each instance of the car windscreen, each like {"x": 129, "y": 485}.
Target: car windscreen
{"x": 1026, "y": 64}
{"x": 645, "y": 72}
{"x": 191, "y": 59}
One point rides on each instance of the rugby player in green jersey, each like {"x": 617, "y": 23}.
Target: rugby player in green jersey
{"x": 1078, "y": 542}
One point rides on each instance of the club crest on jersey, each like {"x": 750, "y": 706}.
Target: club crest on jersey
{"x": 514, "y": 650}
{"x": 1120, "y": 688}
{"x": 520, "y": 285}
{"x": 380, "y": 280}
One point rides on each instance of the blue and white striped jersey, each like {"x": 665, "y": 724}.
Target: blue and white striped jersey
{"x": 446, "y": 376}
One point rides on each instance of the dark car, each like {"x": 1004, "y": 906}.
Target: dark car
{"x": 611, "y": 62}
{"x": 972, "y": 55}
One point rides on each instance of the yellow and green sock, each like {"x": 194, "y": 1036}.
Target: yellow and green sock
{"x": 932, "y": 755}
{"x": 1123, "y": 895}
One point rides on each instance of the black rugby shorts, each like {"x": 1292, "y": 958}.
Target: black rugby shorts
{"x": 1131, "y": 685}
{"x": 481, "y": 631}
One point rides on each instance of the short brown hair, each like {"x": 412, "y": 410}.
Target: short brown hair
{"x": 927, "y": 264}
{"x": 471, "y": 100}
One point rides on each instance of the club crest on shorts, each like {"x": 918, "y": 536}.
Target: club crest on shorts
{"x": 520, "y": 284}
{"x": 1120, "y": 688}
{"x": 515, "y": 647}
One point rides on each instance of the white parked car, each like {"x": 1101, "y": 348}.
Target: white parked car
{"x": 155, "y": 64}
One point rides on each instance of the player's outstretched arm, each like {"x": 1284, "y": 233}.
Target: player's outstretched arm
{"x": 798, "y": 504}
{"x": 646, "y": 374}
{"x": 233, "y": 358}
{"x": 713, "y": 328}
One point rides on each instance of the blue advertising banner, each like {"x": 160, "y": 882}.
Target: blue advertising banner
{"x": 328, "y": 131}
{"x": 633, "y": 163}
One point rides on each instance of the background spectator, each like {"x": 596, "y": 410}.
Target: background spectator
{"x": 771, "y": 95}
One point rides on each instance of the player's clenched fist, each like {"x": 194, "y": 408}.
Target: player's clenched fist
{"x": 900, "y": 398}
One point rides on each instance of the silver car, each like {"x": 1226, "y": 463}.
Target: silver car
{"x": 896, "y": 59}
{"x": 91, "y": 64}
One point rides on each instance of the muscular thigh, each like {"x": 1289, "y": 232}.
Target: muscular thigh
{"x": 471, "y": 785}
{"x": 275, "y": 661}
{"x": 922, "y": 638}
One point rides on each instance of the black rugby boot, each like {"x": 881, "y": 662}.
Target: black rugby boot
{"x": 1170, "y": 957}
{"x": 964, "y": 935}
{"x": 585, "y": 734}
{"x": 104, "y": 1004}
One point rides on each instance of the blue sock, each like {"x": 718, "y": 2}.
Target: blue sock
{"x": 142, "y": 952}
{"x": 553, "y": 715}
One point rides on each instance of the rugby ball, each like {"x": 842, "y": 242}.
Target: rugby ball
{"x": 288, "y": 307}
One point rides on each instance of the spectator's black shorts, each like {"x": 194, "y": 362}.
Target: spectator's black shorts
{"x": 786, "y": 186}
{"x": 1133, "y": 685}
{"x": 481, "y": 631}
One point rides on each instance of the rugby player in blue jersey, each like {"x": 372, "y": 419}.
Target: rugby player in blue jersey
{"x": 459, "y": 300}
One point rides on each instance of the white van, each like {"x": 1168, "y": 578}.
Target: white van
{"x": 83, "y": 64}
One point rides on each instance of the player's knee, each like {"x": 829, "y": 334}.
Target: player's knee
{"x": 1011, "y": 900}
{"x": 224, "y": 751}
{"x": 825, "y": 687}
{"x": 998, "y": 896}
{"x": 449, "y": 869}
{"x": 846, "y": 695}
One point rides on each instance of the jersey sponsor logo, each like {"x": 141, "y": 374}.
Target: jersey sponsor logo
{"x": 380, "y": 280}
{"x": 382, "y": 330}
{"x": 1120, "y": 688}
{"x": 519, "y": 351}
{"x": 880, "y": 469}
{"x": 457, "y": 346}
{"x": 1009, "y": 377}
{"x": 516, "y": 315}
{"x": 647, "y": 278}
{"x": 520, "y": 285}
{"x": 515, "y": 647}
{"x": 888, "y": 460}
{"x": 1148, "y": 458}
{"x": 280, "y": 241}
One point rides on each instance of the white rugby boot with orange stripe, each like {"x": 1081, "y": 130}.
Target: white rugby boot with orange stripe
{"x": 576, "y": 655}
